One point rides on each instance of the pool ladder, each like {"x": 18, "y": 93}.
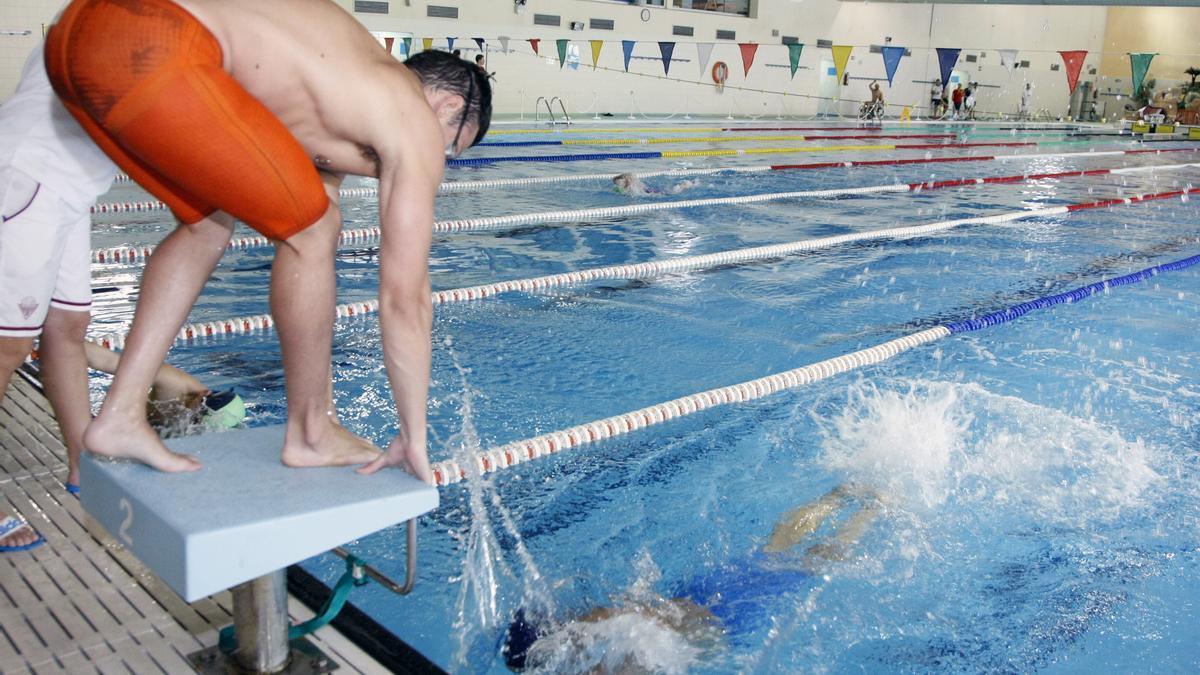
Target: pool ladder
{"x": 549, "y": 103}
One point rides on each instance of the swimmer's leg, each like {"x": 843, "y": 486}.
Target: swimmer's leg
{"x": 173, "y": 279}
{"x": 303, "y": 294}
{"x": 801, "y": 522}
{"x": 837, "y": 548}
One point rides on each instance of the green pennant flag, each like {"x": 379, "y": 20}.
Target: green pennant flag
{"x": 407, "y": 47}
{"x": 794, "y": 56}
{"x": 1139, "y": 63}
{"x": 562, "y": 52}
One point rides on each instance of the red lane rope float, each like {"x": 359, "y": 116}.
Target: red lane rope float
{"x": 250, "y": 324}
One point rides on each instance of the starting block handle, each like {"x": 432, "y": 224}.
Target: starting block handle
{"x": 382, "y": 579}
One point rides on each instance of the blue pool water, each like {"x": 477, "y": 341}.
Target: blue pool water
{"x": 1030, "y": 490}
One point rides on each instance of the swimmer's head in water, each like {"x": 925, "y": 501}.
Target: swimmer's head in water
{"x": 223, "y": 410}
{"x": 623, "y": 180}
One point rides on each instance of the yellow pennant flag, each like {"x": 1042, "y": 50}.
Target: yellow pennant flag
{"x": 841, "y": 56}
{"x": 427, "y": 43}
{"x": 597, "y": 45}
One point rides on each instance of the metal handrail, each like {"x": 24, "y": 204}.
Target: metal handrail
{"x": 561, "y": 106}
{"x": 536, "y": 111}
{"x": 381, "y": 578}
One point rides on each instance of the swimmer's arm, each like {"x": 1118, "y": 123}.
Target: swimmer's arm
{"x": 169, "y": 381}
{"x": 408, "y": 182}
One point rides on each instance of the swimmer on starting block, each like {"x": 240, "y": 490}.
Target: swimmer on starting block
{"x": 731, "y": 601}
{"x": 257, "y": 111}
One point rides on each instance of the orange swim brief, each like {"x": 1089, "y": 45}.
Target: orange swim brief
{"x": 145, "y": 79}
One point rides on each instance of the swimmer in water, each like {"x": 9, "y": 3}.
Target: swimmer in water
{"x": 628, "y": 183}
{"x": 730, "y": 602}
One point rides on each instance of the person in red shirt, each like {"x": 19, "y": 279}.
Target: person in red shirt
{"x": 957, "y": 98}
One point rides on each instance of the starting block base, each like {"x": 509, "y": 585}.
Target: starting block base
{"x": 305, "y": 659}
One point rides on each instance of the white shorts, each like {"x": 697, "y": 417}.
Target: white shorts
{"x": 45, "y": 255}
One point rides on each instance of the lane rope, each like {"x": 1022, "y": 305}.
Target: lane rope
{"x": 706, "y": 139}
{"x": 518, "y": 452}
{"x": 250, "y": 324}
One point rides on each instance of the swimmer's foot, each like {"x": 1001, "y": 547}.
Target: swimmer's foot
{"x": 333, "y": 446}
{"x": 132, "y": 438}
{"x": 801, "y": 522}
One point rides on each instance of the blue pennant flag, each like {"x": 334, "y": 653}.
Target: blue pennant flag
{"x": 667, "y": 48}
{"x": 627, "y": 47}
{"x": 449, "y": 44}
{"x": 891, "y": 59}
{"x": 946, "y": 59}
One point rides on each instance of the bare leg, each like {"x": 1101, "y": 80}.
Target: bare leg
{"x": 174, "y": 276}
{"x": 12, "y": 353}
{"x": 837, "y": 548}
{"x": 64, "y": 375}
{"x": 801, "y": 522}
{"x": 303, "y": 294}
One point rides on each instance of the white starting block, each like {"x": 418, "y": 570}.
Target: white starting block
{"x": 243, "y": 519}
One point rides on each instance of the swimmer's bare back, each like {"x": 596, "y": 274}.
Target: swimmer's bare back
{"x": 326, "y": 78}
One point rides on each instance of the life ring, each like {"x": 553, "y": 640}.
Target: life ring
{"x": 720, "y": 73}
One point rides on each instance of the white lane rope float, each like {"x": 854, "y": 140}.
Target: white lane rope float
{"x": 250, "y": 324}
{"x": 138, "y": 254}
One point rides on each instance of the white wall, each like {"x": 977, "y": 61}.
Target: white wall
{"x": 1037, "y": 31}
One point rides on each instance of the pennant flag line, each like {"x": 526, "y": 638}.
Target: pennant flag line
{"x": 703, "y": 51}
{"x": 427, "y": 43}
{"x": 1074, "y": 62}
{"x": 597, "y": 45}
{"x": 1008, "y": 59}
{"x": 891, "y": 59}
{"x": 479, "y": 41}
{"x": 503, "y": 43}
{"x": 748, "y": 49}
{"x": 449, "y": 44}
{"x": 1139, "y": 64}
{"x": 947, "y": 57}
{"x": 666, "y": 48}
{"x": 841, "y": 56}
{"x": 407, "y": 47}
{"x": 794, "y": 56}
{"x": 533, "y": 42}
{"x": 388, "y": 42}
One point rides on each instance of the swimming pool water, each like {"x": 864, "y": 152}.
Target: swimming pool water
{"x": 1036, "y": 482}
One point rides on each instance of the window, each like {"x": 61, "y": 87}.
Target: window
{"x": 738, "y": 7}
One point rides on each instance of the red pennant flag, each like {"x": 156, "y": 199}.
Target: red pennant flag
{"x": 748, "y": 50}
{"x": 533, "y": 42}
{"x": 1073, "y": 61}
{"x": 388, "y": 42}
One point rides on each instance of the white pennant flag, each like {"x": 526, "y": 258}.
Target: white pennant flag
{"x": 1008, "y": 59}
{"x": 504, "y": 43}
{"x": 703, "y": 50}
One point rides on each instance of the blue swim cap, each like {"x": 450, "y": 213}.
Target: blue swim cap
{"x": 519, "y": 637}
{"x": 223, "y": 410}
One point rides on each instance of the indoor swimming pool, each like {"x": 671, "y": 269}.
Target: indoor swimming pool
{"x": 1020, "y": 497}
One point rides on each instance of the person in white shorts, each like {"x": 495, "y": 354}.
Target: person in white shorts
{"x": 50, "y": 176}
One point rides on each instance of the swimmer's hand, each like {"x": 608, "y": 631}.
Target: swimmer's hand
{"x": 412, "y": 457}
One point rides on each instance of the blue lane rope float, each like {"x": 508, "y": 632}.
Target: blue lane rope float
{"x": 518, "y": 452}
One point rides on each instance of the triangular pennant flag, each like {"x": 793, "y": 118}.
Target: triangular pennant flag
{"x": 1008, "y": 59}
{"x": 479, "y": 41}
{"x": 533, "y": 42}
{"x": 667, "y": 49}
{"x": 503, "y": 43}
{"x": 1139, "y": 63}
{"x": 748, "y": 50}
{"x": 794, "y": 56}
{"x": 1074, "y": 62}
{"x": 703, "y": 51}
{"x": 891, "y": 59}
{"x": 450, "y": 44}
{"x": 841, "y": 56}
{"x": 388, "y": 42}
{"x": 562, "y": 51}
{"x": 407, "y": 47}
{"x": 597, "y": 45}
{"x": 627, "y": 47}
{"x": 427, "y": 43}
{"x": 947, "y": 57}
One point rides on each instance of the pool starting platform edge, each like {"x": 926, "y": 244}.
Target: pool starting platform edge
{"x": 244, "y": 514}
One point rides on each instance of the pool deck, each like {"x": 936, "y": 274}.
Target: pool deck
{"x": 80, "y": 603}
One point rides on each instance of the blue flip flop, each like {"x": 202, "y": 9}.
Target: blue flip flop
{"x": 72, "y": 488}
{"x": 8, "y": 525}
